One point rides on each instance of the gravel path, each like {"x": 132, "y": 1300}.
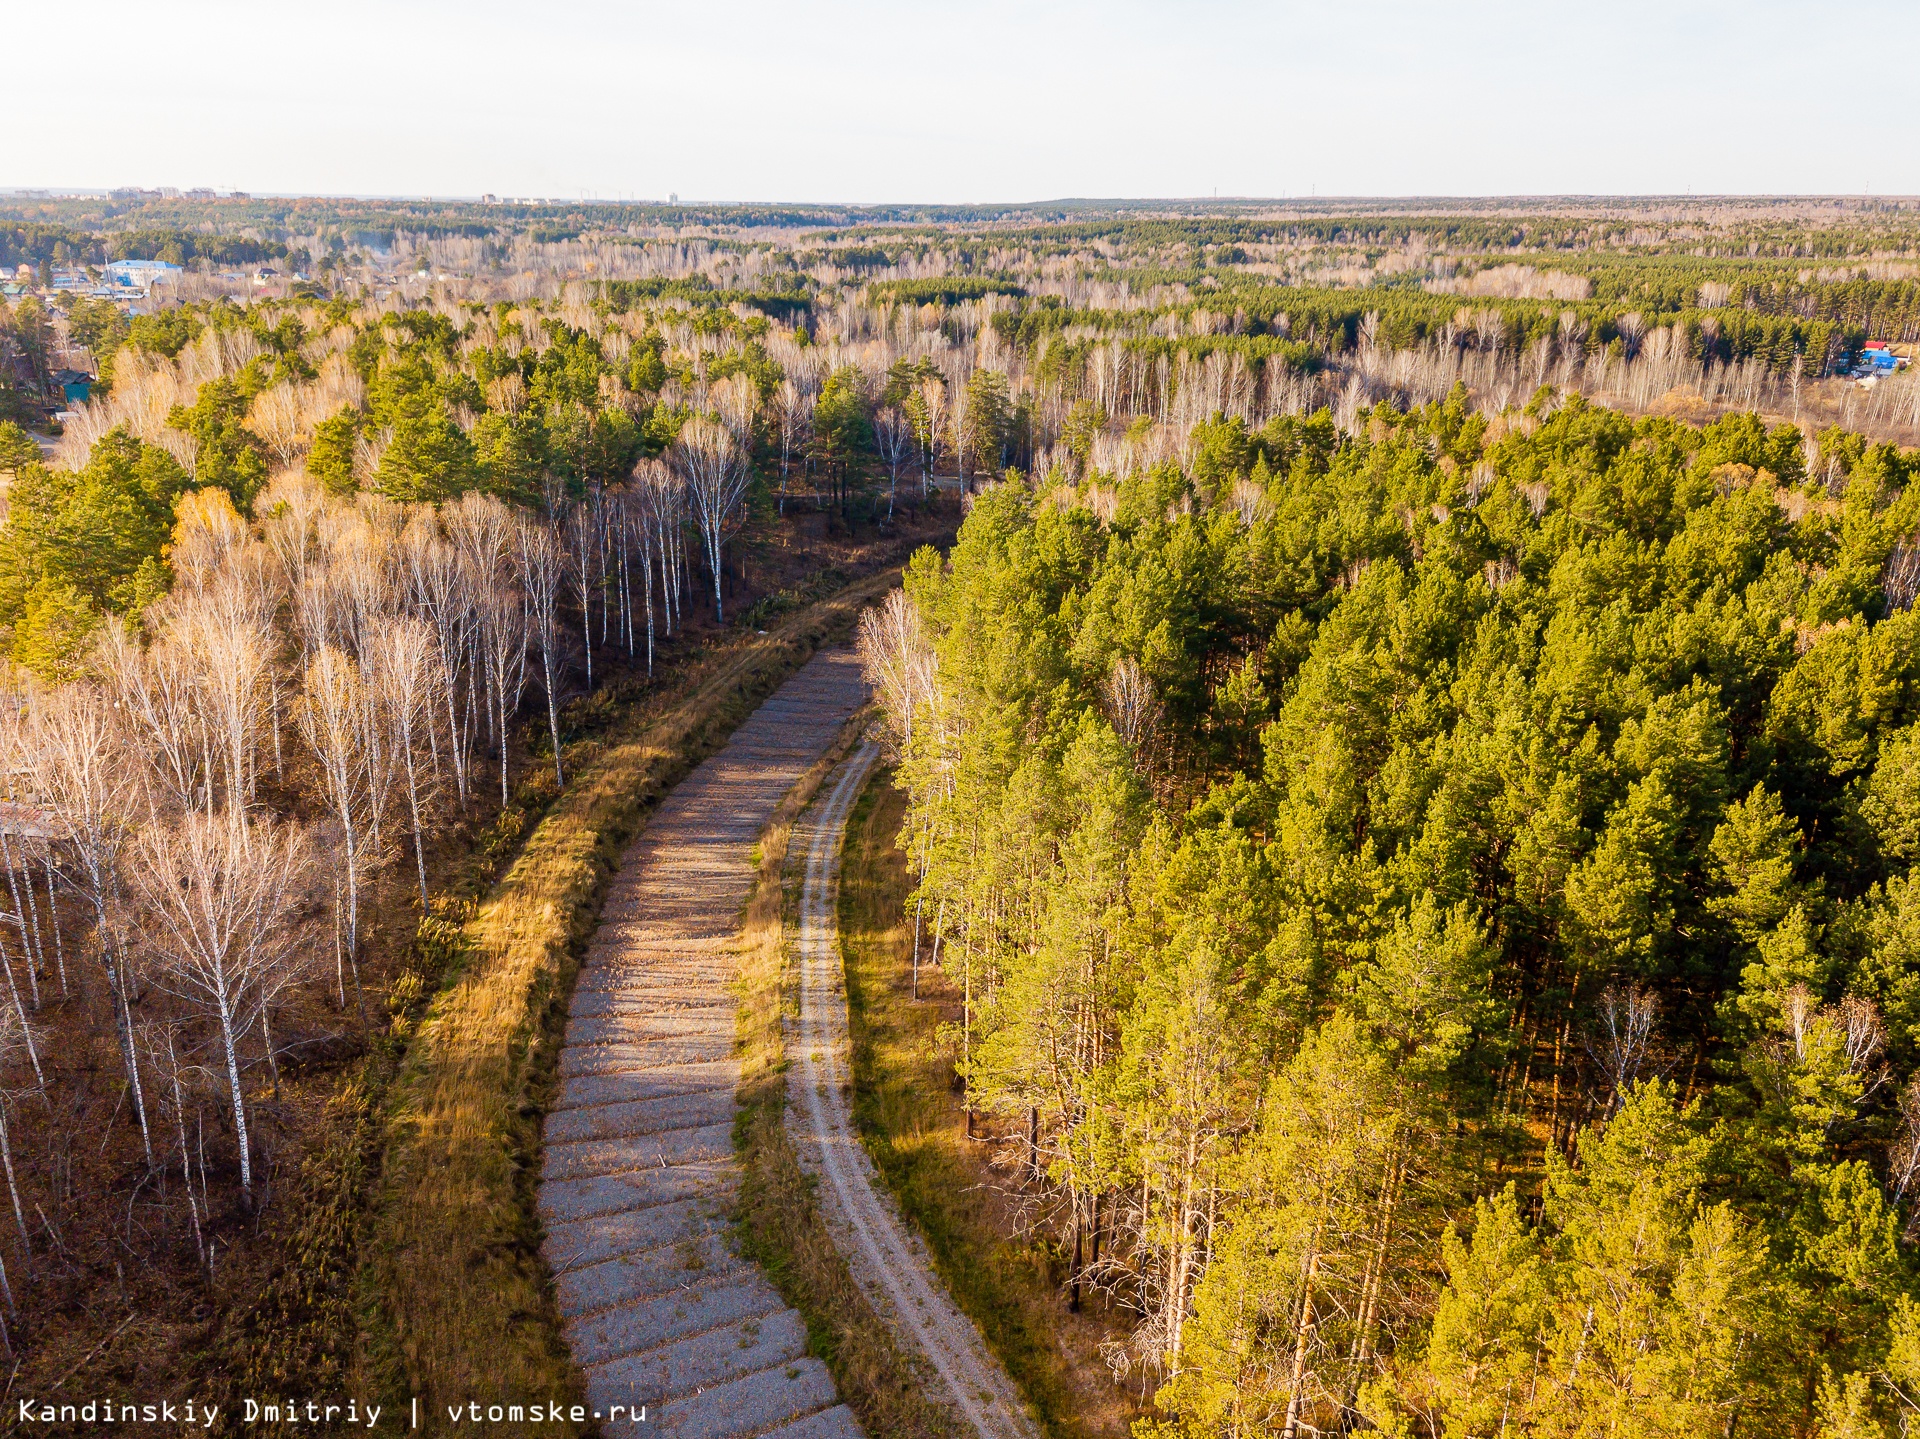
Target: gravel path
{"x": 639, "y": 1164}
{"x": 886, "y": 1257}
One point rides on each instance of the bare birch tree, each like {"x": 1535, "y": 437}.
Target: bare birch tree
{"x": 581, "y": 550}
{"x": 89, "y": 779}
{"x": 793, "y": 415}
{"x": 714, "y": 466}
{"x": 1621, "y": 1036}
{"x": 436, "y": 590}
{"x": 930, "y": 422}
{"x": 541, "y": 564}
{"x": 663, "y": 500}
{"x": 222, "y": 615}
{"x": 482, "y": 532}
{"x": 220, "y": 920}
{"x": 154, "y": 692}
{"x": 329, "y": 723}
{"x": 898, "y": 661}
{"x": 407, "y": 682}
{"x": 893, "y": 437}
{"x": 15, "y": 1037}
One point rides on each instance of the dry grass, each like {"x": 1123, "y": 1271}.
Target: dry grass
{"x": 457, "y": 1304}
{"x": 778, "y": 1222}
{"x": 913, "y": 1125}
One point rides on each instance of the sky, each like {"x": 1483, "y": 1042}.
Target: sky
{"x": 931, "y": 101}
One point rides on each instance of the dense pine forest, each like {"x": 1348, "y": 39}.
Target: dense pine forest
{"x": 1413, "y": 758}
{"x": 1433, "y": 908}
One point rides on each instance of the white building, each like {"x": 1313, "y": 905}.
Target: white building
{"x": 139, "y": 274}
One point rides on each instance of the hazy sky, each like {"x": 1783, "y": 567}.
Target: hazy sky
{"x": 881, "y": 100}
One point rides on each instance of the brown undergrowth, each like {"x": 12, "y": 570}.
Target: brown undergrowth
{"x": 455, "y": 1303}
{"x": 778, "y": 1220}
{"x": 913, "y": 1124}
{"x": 115, "y": 1301}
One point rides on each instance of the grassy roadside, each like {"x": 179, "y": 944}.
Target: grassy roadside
{"x": 913, "y": 1126}
{"x": 778, "y": 1220}
{"x": 455, "y": 1301}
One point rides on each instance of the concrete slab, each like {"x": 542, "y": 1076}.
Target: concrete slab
{"x": 643, "y": 1116}
{"x": 835, "y": 1423}
{"x": 578, "y": 1243}
{"x": 705, "y": 1360}
{"x": 613, "y": 1058}
{"x": 688, "y": 1259}
{"x": 751, "y": 1405}
{"x": 643, "y": 1026}
{"x": 664, "y": 1149}
{"x": 645, "y": 1324}
{"x": 666, "y": 1081}
{"x": 562, "y": 1200}
{"x": 638, "y": 1163}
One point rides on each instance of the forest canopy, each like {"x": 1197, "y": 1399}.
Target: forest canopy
{"x": 1437, "y": 898}
{"x": 1411, "y": 765}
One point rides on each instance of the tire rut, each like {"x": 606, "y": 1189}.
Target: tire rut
{"x": 887, "y": 1259}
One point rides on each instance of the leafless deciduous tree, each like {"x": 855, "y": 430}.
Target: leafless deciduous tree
{"x": 220, "y": 920}
{"x": 89, "y": 779}
{"x": 436, "y": 591}
{"x": 893, "y": 437}
{"x": 793, "y": 414}
{"x": 329, "y": 722}
{"x": 222, "y": 614}
{"x": 958, "y": 405}
{"x": 714, "y": 466}
{"x": 541, "y": 567}
{"x": 20, "y": 1013}
{"x": 407, "y": 684}
{"x": 1132, "y": 707}
{"x": 160, "y": 1044}
{"x": 482, "y": 532}
{"x": 290, "y": 511}
{"x": 663, "y": 507}
{"x": 898, "y": 661}
{"x": 624, "y": 526}
{"x": 278, "y": 417}
{"x": 1622, "y": 1036}
{"x": 155, "y": 693}
{"x": 580, "y": 549}
{"x": 15, "y": 1036}
{"x": 930, "y": 423}
{"x": 1903, "y": 1159}
{"x": 1862, "y": 1033}
{"x": 900, "y": 664}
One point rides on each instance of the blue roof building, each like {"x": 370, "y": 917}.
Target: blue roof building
{"x": 139, "y": 274}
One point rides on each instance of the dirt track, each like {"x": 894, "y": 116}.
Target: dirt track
{"x": 639, "y": 1163}
{"x": 886, "y": 1257}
